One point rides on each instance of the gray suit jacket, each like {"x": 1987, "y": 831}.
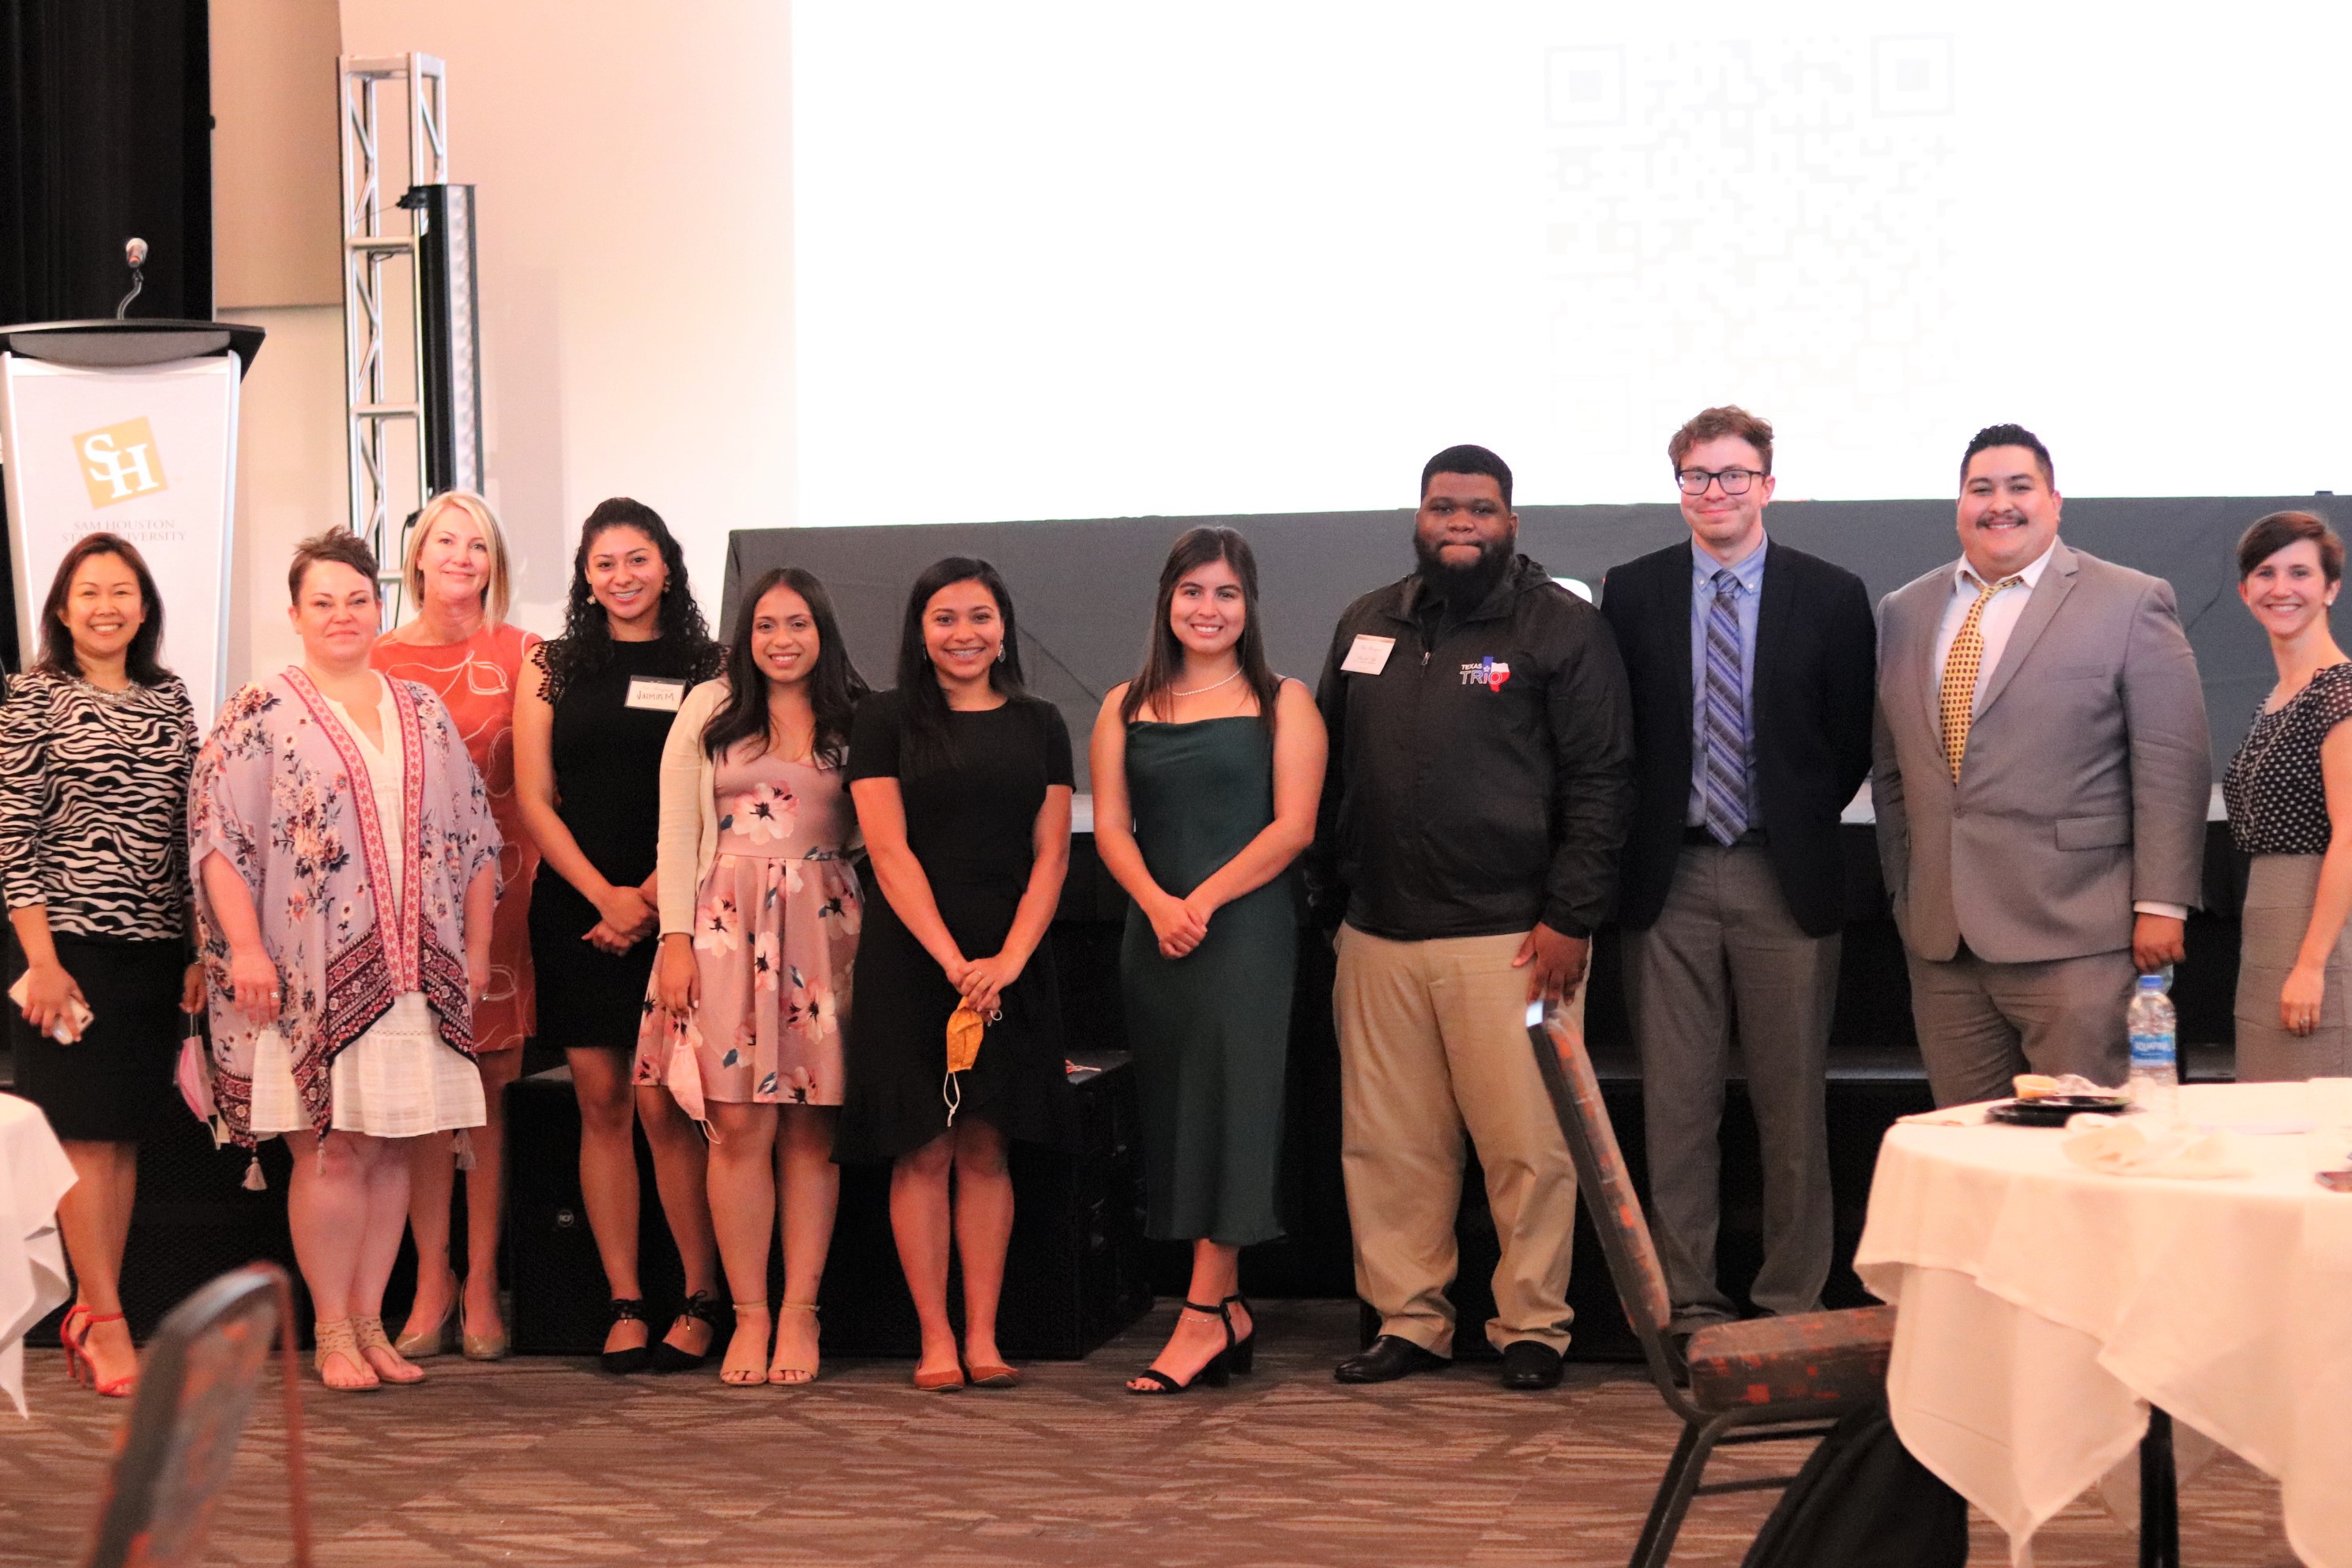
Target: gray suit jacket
{"x": 2087, "y": 778}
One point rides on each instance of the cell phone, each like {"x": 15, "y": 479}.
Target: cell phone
{"x": 2335, "y": 1181}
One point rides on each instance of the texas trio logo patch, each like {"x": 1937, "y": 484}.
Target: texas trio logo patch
{"x": 1489, "y": 672}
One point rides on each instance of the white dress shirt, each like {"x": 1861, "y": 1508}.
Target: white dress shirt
{"x": 1999, "y": 618}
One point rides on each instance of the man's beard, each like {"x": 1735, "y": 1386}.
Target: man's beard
{"x": 1465, "y": 585}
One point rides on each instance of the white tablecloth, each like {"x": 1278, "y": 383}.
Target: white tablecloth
{"x": 2042, "y": 1307}
{"x": 34, "y": 1174}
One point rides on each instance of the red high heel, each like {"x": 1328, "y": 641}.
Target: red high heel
{"x": 113, "y": 1388}
{"x": 66, "y": 1344}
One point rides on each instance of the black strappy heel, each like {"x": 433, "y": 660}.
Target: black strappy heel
{"x": 635, "y": 1358}
{"x": 1213, "y": 1372}
{"x": 703, "y": 1306}
{"x": 1241, "y": 1355}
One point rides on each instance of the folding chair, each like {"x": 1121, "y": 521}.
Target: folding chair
{"x": 1764, "y": 1381}
{"x": 198, "y": 1381}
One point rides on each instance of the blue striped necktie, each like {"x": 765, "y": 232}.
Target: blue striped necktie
{"x": 1724, "y": 789}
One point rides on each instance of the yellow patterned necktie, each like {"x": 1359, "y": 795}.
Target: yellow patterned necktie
{"x": 1959, "y": 695}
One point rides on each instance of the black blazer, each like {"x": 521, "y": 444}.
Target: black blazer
{"x": 1816, "y": 668}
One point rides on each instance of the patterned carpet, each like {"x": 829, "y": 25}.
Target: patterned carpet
{"x": 549, "y": 1462}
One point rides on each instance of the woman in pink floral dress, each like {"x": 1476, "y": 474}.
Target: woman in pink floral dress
{"x": 759, "y": 918}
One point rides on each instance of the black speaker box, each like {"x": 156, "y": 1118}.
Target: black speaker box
{"x": 1075, "y": 1274}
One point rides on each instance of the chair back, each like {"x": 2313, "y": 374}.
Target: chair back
{"x": 198, "y": 1381}
{"x": 1607, "y": 1185}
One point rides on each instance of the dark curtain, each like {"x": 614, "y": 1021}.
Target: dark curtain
{"x": 105, "y": 132}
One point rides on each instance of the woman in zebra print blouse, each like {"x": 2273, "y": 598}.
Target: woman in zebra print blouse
{"x": 96, "y": 743}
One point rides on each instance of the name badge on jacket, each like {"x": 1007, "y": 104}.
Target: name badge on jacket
{"x": 655, "y": 693}
{"x": 1368, "y": 655}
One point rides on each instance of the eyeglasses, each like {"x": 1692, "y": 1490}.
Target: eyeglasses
{"x": 1735, "y": 481}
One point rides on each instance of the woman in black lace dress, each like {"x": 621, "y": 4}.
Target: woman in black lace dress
{"x": 588, "y": 732}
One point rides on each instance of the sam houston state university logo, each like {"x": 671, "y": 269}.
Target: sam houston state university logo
{"x": 119, "y": 462}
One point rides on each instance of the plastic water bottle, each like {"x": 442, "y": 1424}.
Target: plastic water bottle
{"x": 2155, "y": 1064}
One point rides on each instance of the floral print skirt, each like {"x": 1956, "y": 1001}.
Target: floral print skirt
{"x": 775, "y": 939}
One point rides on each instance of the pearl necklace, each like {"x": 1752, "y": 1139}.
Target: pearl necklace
{"x": 1199, "y": 690}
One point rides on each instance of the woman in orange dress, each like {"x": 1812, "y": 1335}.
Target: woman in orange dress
{"x": 458, "y": 644}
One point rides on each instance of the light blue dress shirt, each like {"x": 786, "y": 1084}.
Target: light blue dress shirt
{"x": 1748, "y": 571}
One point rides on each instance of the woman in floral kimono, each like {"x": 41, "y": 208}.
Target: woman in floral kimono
{"x": 759, "y": 914}
{"x": 346, "y": 873}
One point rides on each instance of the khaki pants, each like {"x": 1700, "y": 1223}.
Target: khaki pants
{"x": 1432, "y": 1040}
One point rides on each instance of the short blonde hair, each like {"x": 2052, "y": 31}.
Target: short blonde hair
{"x": 495, "y": 592}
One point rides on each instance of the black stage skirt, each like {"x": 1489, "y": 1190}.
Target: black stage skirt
{"x": 116, "y": 1084}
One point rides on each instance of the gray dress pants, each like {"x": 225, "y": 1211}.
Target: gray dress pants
{"x": 1725, "y": 942}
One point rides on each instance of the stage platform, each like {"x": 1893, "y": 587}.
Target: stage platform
{"x": 547, "y": 1462}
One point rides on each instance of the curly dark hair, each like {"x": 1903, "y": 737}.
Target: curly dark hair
{"x": 586, "y": 645}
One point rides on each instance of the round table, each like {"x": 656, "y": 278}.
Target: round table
{"x": 2040, "y": 1308}
{"x": 34, "y": 1174}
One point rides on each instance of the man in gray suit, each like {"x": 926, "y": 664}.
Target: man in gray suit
{"x": 2040, "y": 770}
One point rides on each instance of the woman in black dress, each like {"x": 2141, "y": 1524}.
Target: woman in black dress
{"x": 963, "y": 783}
{"x": 96, "y": 744}
{"x": 588, "y": 735}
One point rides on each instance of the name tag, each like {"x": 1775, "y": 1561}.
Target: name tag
{"x": 655, "y": 693}
{"x": 1368, "y": 655}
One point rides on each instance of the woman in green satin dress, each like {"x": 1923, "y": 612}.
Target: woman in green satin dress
{"x": 1207, "y": 768}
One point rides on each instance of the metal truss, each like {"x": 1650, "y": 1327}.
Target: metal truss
{"x": 370, "y": 403}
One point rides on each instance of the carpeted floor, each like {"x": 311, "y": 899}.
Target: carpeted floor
{"x": 550, "y": 1462}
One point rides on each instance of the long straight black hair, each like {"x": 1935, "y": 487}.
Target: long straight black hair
{"x": 834, "y": 686}
{"x": 1163, "y": 655}
{"x": 139, "y": 660}
{"x": 922, "y": 700}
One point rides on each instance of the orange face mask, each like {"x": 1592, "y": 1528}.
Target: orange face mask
{"x": 965, "y": 1028}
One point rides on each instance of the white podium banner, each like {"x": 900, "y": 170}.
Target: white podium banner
{"x": 147, "y": 452}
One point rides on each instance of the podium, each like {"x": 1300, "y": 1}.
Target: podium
{"x": 128, "y": 427}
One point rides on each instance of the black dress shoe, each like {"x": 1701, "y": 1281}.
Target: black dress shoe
{"x": 1530, "y": 1365}
{"x": 1385, "y": 1360}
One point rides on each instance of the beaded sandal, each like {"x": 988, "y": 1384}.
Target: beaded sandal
{"x": 334, "y": 1339}
{"x": 369, "y": 1333}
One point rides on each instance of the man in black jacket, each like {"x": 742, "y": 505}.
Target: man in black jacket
{"x": 1751, "y": 667}
{"x": 1481, "y": 771}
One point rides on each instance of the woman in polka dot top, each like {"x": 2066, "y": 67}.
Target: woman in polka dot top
{"x": 2289, "y": 790}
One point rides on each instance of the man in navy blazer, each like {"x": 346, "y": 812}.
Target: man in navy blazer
{"x": 1752, "y": 669}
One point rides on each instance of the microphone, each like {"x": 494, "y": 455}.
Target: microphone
{"x": 135, "y": 256}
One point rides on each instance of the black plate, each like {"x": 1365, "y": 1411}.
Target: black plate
{"x": 2053, "y": 1111}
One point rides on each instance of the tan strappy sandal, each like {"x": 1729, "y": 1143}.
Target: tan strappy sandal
{"x": 335, "y": 1338}
{"x": 794, "y": 1376}
{"x": 746, "y": 1377}
{"x": 370, "y": 1335}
